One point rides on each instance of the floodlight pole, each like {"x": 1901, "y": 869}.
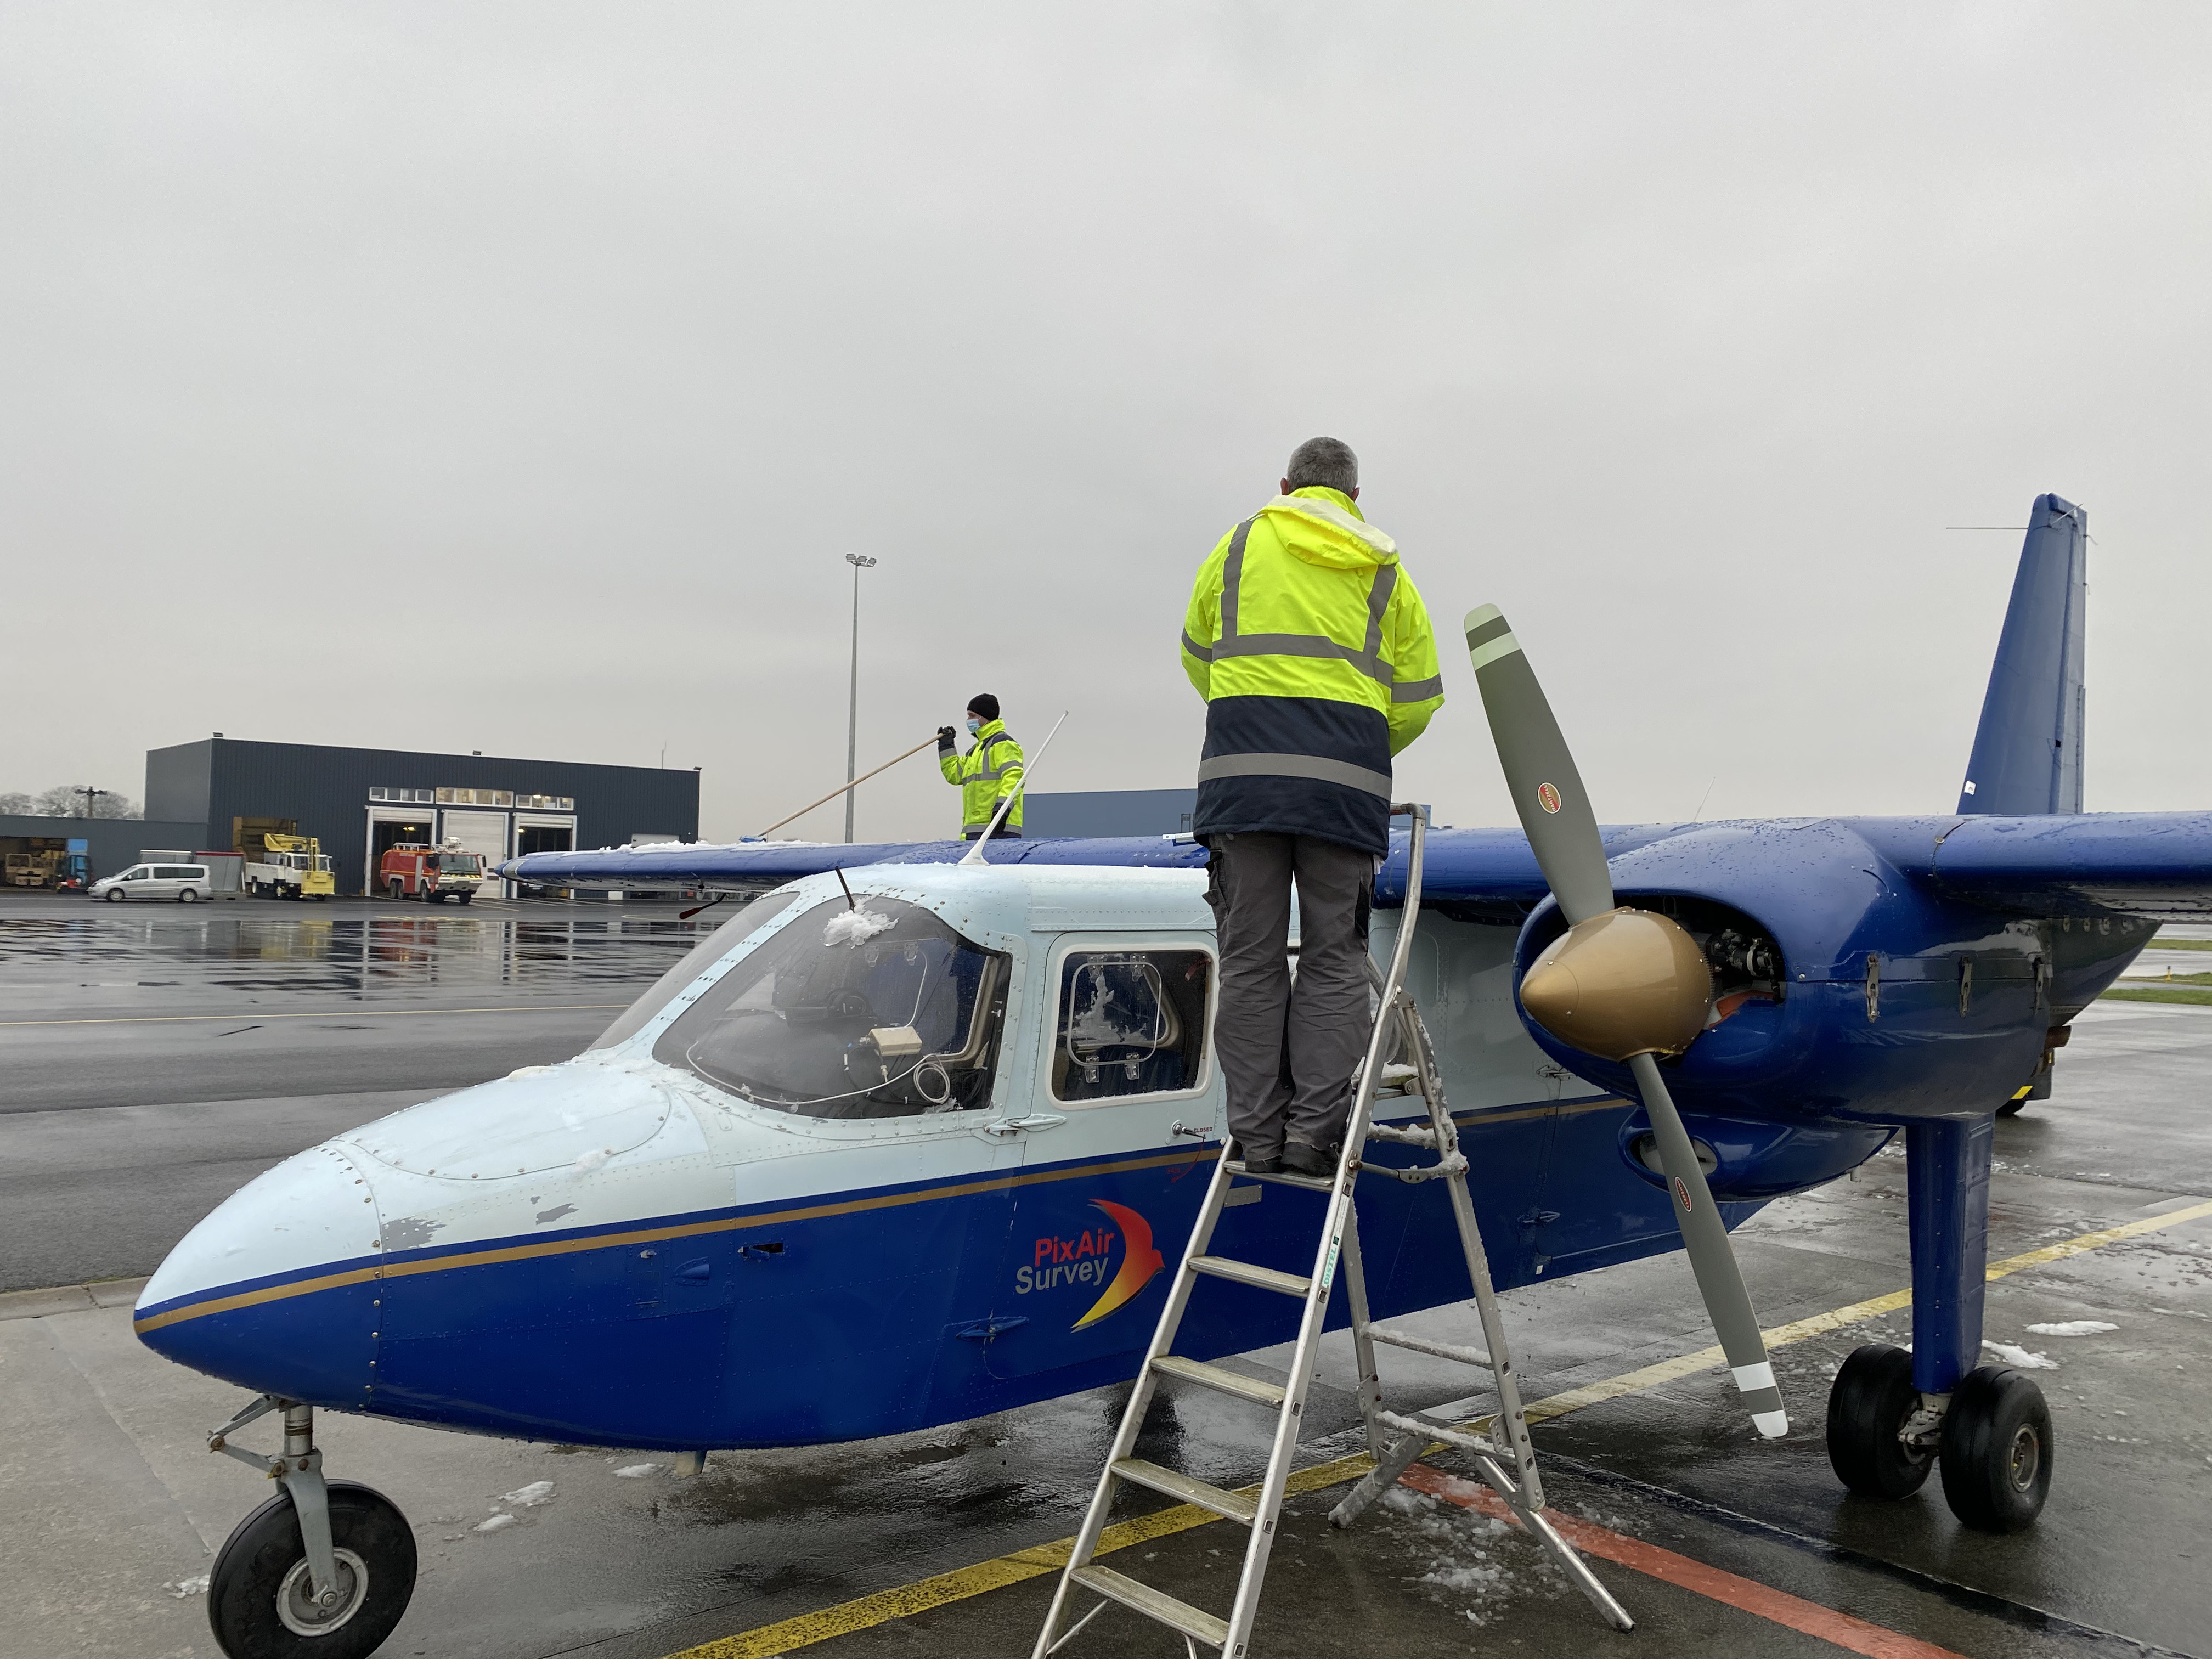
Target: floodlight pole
{"x": 91, "y": 796}
{"x": 860, "y": 562}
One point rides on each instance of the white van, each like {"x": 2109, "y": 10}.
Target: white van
{"x": 187, "y": 883}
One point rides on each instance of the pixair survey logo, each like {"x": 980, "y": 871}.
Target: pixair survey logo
{"x": 1120, "y": 1257}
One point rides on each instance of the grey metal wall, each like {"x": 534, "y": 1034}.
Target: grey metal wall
{"x": 1110, "y": 812}
{"x": 326, "y": 789}
{"x": 114, "y": 844}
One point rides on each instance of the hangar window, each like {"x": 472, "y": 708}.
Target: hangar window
{"x": 1131, "y": 1023}
{"x": 875, "y": 1011}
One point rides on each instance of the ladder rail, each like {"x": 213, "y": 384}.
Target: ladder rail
{"x": 1140, "y": 1398}
{"x": 1335, "y": 1227}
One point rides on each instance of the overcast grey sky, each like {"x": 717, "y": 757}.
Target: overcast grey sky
{"x": 515, "y": 378}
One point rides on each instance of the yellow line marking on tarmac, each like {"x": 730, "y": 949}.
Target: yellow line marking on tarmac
{"x": 333, "y": 1014}
{"x": 866, "y": 1612}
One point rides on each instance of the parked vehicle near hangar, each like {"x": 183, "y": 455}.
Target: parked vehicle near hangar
{"x": 413, "y": 869}
{"x": 290, "y": 866}
{"x": 187, "y": 883}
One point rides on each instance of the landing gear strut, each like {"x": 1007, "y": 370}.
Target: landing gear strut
{"x": 1991, "y": 1435}
{"x": 319, "y": 1571}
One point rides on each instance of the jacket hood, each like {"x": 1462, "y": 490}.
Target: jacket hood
{"x": 1323, "y": 526}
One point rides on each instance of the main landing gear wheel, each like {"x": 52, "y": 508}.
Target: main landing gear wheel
{"x": 260, "y": 1604}
{"x": 1872, "y": 1396}
{"x": 1997, "y": 1450}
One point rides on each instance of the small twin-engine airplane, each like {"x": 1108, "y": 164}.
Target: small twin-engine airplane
{"x": 906, "y": 1140}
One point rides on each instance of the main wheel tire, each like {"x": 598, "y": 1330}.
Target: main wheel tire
{"x": 116, "y": 896}
{"x": 258, "y": 1596}
{"x": 1997, "y": 1450}
{"x": 1868, "y": 1403}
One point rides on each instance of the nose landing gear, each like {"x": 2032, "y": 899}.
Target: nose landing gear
{"x": 1991, "y": 1435}
{"x": 319, "y": 1571}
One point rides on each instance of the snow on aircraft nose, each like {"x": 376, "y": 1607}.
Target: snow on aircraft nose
{"x": 278, "y": 1289}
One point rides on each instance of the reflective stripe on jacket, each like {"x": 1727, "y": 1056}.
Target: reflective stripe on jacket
{"x": 1315, "y": 656}
{"x": 989, "y": 770}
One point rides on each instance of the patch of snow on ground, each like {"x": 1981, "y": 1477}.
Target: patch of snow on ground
{"x": 2020, "y": 1356}
{"x": 497, "y": 1523}
{"x": 2074, "y": 1327}
{"x": 524, "y": 1498}
{"x": 1460, "y": 1547}
{"x": 185, "y": 1587}
{"x": 855, "y": 926}
{"x": 636, "y": 1471}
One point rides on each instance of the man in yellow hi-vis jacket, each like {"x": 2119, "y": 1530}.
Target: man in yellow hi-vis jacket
{"x": 1316, "y": 659}
{"x": 987, "y": 774}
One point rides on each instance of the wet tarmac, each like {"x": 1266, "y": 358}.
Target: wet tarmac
{"x": 156, "y": 1057}
{"x": 1726, "y": 1545}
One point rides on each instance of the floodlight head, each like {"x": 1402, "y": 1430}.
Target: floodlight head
{"x": 859, "y": 560}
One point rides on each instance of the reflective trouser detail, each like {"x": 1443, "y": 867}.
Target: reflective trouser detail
{"x": 1288, "y": 1051}
{"x": 1296, "y": 766}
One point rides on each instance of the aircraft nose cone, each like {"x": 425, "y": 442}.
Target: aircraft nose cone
{"x": 277, "y": 1289}
{"x": 1622, "y": 983}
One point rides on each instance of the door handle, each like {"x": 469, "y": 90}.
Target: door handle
{"x": 1005, "y": 1128}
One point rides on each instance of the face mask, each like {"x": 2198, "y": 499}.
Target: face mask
{"x": 974, "y": 724}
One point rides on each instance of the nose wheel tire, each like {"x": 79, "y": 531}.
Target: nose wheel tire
{"x": 261, "y": 1603}
{"x": 1997, "y": 1450}
{"x": 1867, "y": 1404}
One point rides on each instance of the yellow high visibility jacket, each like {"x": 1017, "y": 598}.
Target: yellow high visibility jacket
{"x": 1317, "y": 663}
{"x": 984, "y": 774}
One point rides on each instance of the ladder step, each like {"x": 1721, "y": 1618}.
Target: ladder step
{"x": 1285, "y": 1178}
{"x": 1406, "y": 1339}
{"x": 1269, "y": 1395}
{"x": 1235, "y": 1505}
{"x": 1444, "y": 1431}
{"x": 1193, "y": 1622}
{"x": 1245, "y": 1273}
{"x": 1416, "y": 1135}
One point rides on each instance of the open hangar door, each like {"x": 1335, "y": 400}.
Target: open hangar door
{"x": 387, "y": 828}
{"x": 542, "y": 832}
{"x": 483, "y": 834}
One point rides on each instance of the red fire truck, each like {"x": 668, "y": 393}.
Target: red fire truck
{"x": 433, "y": 874}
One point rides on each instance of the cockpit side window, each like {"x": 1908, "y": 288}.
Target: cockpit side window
{"x": 717, "y": 943}
{"x": 1130, "y": 1023}
{"x": 873, "y": 1010}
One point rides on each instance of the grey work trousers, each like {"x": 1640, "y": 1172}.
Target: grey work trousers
{"x": 1288, "y": 1051}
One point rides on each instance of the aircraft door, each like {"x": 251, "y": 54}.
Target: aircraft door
{"x": 1125, "y": 1104}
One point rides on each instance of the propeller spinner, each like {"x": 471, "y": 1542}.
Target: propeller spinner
{"x": 1621, "y": 983}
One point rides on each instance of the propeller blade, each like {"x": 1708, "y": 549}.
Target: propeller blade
{"x": 1636, "y": 975}
{"x": 1547, "y": 791}
{"x": 1712, "y": 1258}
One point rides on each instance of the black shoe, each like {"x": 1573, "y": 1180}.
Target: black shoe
{"x": 1263, "y": 1166}
{"x": 1302, "y": 1159}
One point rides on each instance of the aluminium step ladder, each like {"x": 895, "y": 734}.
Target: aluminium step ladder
{"x": 1502, "y": 1454}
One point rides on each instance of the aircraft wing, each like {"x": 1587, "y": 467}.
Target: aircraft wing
{"x": 2154, "y": 865}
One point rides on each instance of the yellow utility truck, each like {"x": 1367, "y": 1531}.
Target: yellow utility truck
{"x": 289, "y": 866}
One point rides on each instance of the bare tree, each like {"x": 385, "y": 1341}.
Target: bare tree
{"x": 84, "y": 802}
{"x": 17, "y": 805}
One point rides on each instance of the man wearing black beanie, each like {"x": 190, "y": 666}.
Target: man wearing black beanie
{"x": 987, "y": 774}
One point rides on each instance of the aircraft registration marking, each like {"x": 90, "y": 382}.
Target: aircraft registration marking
{"x": 903, "y": 1601}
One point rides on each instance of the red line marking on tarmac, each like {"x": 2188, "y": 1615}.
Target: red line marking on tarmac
{"x": 1779, "y": 1606}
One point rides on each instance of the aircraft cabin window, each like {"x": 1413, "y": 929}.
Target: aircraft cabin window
{"x": 1131, "y": 1023}
{"x": 877, "y": 1011}
{"x": 717, "y": 943}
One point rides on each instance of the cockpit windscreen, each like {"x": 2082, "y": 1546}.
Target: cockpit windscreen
{"x": 876, "y": 1009}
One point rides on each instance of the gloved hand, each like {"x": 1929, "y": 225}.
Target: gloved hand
{"x": 945, "y": 737}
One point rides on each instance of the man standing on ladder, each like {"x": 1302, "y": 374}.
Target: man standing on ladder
{"x": 1317, "y": 664}
{"x": 987, "y": 774}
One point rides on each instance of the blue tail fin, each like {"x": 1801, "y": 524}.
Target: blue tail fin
{"x": 2027, "y": 750}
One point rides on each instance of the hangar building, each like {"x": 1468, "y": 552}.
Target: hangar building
{"x": 357, "y": 802}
